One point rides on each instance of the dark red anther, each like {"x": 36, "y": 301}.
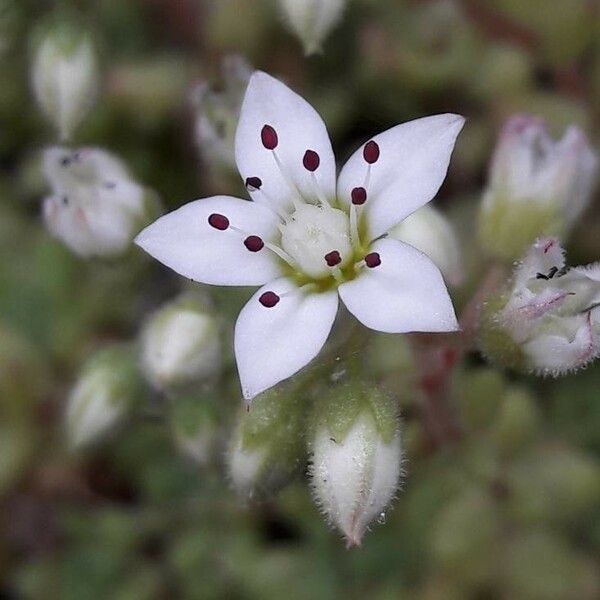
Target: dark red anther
{"x": 220, "y": 222}
{"x": 333, "y": 258}
{"x": 269, "y": 137}
{"x": 269, "y": 299}
{"x": 254, "y": 243}
{"x": 253, "y": 183}
{"x": 373, "y": 260}
{"x": 371, "y": 152}
{"x": 311, "y": 161}
{"x": 359, "y": 195}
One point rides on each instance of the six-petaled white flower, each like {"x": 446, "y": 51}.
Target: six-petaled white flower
{"x": 308, "y": 241}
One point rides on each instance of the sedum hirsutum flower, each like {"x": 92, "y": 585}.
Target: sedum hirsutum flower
{"x": 537, "y": 186}
{"x": 431, "y": 232}
{"x": 312, "y": 20}
{"x": 181, "y": 344}
{"x": 355, "y": 457}
{"x": 217, "y": 112}
{"x": 95, "y": 207}
{"x": 65, "y": 77}
{"x": 307, "y": 240}
{"x": 548, "y": 321}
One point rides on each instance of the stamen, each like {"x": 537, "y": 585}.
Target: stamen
{"x": 220, "y": 222}
{"x": 311, "y": 161}
{"x": 254, "y": 243}
{"x": 354, "y": 235}
{"x": 253, "y": 184}
{"x": 359, "y": 196}
{"x": 269, "y": 299}
{"x": 269, "y": 138}
{"x": 333, "y": 258}
{"x": 371, "y": 152}
{"x": 372, "y": 260}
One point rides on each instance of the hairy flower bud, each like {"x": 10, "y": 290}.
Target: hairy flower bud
{"x": 312, "y": 20}
{"x": 65, "y": 76}
{"x": 356, "y": 457}
{"x": 96, "y": 208}
{"x": 181, "y": 344}
{"x": 536, "y": 187}
{"x": 104, "y": 393}
{"x": 266, "y": 448}
{"x": 429, "y": 231}
{"x": 217, "y": 113}
{"x": 548, "y": 321}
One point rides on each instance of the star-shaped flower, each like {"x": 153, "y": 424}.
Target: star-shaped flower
{"x": 308, "y": 240}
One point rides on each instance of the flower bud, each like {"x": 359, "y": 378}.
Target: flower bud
{"x": 104, "y": 393}
{"x": 194, "y": 426}
{"x": 429, "y": 231}
{"x": 217, "y": 113}
{"x": 266, "y": 448}
{"x": 96, "y": 208}
{"x": 181, "y": 344}
{"x": 547, "y": 322}
{"x": 65, "y": 76}
{"x": 536, "y": 186}
{"x": 312, "y": 20}
{"x": 356, "y": 457}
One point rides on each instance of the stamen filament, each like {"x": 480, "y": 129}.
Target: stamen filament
{"x": 319, "y": 191}
{"x": 354, "y": 235}
{"x": 296, "y": 195}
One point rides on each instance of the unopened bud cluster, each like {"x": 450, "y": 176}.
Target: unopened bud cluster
{"x": 548, "y": 321}
{"x": 537, "y": 186}
{"x": 95, "y": 207}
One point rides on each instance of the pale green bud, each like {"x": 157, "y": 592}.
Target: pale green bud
{"x": 356, "y": 457}
{"x": 537, "y": 187}
{"x": 105, "y": 392}
{"x": 547, "y": 322}
{"x": 96, "y": 207}
{"x": 65, "y": 76}
{"x": 312, "y": 20}
{"x": 181, "y": 344}
{"x": 431, "y": 232}
{"x": 267, "y": 447}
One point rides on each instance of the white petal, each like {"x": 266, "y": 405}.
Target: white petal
{"x": 184, "y": 241}
{"x": 299, "y": 128}
{"x": 271, "y": 344}
{"x": 404, "y": 293}
{"x": 412, "y": 165}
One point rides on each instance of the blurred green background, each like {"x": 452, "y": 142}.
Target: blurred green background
{"x": 511, "y": 510}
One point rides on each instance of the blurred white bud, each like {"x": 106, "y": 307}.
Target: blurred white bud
{"x": 312, "y": 20}
{"x": 537, "y": 186}
{"x": 104, "y": 393}
{"x": 96, "y": 208}
{"x": 356, "y": 458}
{"x": 550, "y": 313}
{"x": 431, "y": 232}
{"x": 65, "y": 77}
{"x": 181, "y": 344}
{"x": 217, "y": 113}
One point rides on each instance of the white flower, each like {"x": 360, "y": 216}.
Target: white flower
{"x": 429, "y": 231}
{"x": 355, "y": 478}
{"x": 96, "y": 207}
{"x": 181, "y": 344}
{"x": 551, "y": 312}
{"x": 312, "y": 20}
{"x": 307, "y": 240}
{"x": 537, "y": 186}
{"x": 217, "y": 112}
{"x": 65, "y": 78}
